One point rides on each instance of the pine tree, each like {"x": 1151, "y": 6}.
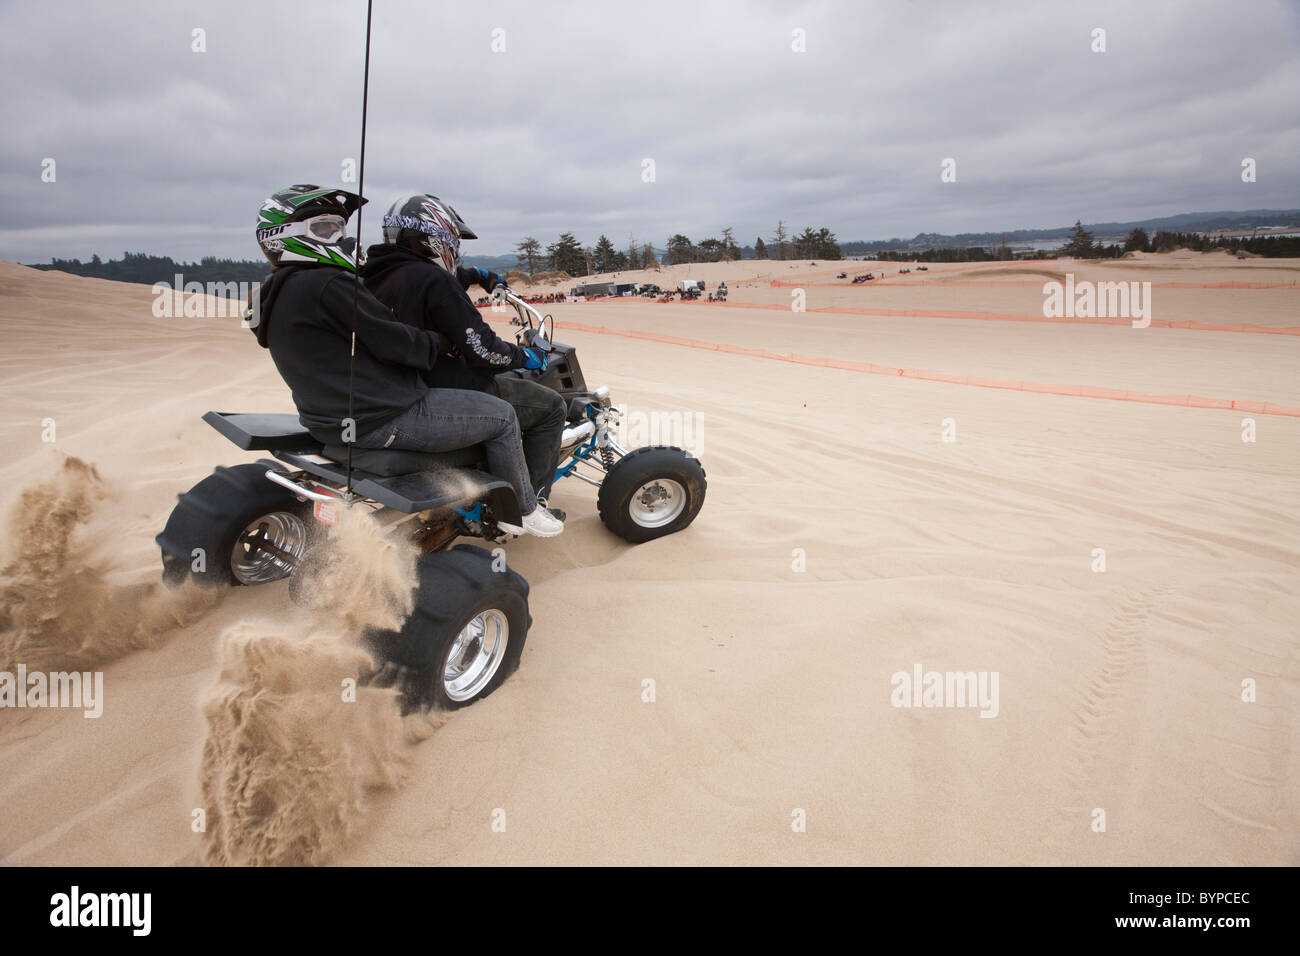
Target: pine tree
{"x": 827, "y": 246}
{"x": 1080, "y": 245}
{"x": 804, "y": 244}
{"x": 528, "y": 253}
{"x": 780, "y": 239}
{"x": 566, "y": 255}
{"x": 760, "y": 248}
{"x": 680, "y": 249}
{"x": 711, "y": 250}
{"x": 1137, "y": 241}
{"x": 648, "y": 258}
{"x": 603, "y": 255}
{"x": 729, "y": 248}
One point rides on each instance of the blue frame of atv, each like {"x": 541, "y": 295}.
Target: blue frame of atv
{"x": 253, "y": 524}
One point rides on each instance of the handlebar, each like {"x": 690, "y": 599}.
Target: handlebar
{"x": 527, "y": 315}
{"x": 526, "y": 312}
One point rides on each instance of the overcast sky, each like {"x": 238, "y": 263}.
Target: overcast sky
{"x": 161, "y": 149}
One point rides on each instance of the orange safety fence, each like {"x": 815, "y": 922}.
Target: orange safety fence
{"x": 1186, "y": 324}
{"x": 1043, "y": 388}
{"x": 1021, "y": 283}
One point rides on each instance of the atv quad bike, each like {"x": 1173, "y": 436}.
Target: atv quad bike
{"x": 252, "y": 524}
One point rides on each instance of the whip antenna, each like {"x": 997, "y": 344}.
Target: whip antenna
{"x": 356, "y": 257}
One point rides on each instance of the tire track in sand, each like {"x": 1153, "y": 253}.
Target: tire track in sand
{"x": 1107, "y": 720}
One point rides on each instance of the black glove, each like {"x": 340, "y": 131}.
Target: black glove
{"x": 473, "y": 275}
{"x": 489, "y": 280}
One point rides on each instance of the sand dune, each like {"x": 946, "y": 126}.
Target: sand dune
{"x": 1118, "y": 690}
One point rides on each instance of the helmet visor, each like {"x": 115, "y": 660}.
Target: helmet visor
{"x": 462, "y": 226}
{"x": 325, "y": 228}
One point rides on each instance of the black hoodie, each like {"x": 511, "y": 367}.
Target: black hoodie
{"x": 305, "y": 321}
{"x": 428, "y": 297}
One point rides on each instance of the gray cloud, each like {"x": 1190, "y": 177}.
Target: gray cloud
{"x": 164, "y": 150}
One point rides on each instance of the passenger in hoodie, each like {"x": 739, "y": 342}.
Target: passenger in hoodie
{"x": 417, "y": 273}
{"x": 305, "y": 320}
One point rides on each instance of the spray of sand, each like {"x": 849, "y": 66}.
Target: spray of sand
{"x": 291, "y": 750}
{"x": 58, "y": 610}
{"x": 296, "y": 742}
{"x": 359, "y": 576}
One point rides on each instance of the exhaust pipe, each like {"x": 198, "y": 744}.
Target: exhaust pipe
{"x": 577, "y": 434}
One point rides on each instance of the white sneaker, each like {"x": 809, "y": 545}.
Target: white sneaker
{"x": 557, "y": 513}
{"x": 539, "y": 522}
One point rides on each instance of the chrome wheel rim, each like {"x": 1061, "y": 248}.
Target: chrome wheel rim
{"x": 269, "y": 548}
{"x": 657, "y": 503}
{"x": 475, "y": 655}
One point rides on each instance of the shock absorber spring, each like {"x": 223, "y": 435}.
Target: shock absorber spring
{"x": 607, "y": 456}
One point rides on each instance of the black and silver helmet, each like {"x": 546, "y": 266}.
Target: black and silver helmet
{"x": 429, "y": 227}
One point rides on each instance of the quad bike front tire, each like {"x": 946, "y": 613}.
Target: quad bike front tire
{"x": 235, "y": 528}
{"x": 464, "y": 637}
{"x": 651, "y": 492}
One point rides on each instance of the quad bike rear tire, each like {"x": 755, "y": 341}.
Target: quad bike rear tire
{"x": 651, "y": 492}
{"x": 232, "y": 520}
{"x": 464, "y": 637}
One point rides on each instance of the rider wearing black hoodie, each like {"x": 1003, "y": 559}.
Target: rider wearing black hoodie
{"x": 429, "y": 297}
{"x": 305, "y": 319}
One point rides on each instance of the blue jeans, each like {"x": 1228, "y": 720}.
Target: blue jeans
{"x": 542, "y": 416}
{"x": 450, "y": 418}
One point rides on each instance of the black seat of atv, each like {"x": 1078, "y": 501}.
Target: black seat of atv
{"x": 395, "y": 461}
{"x": 283, "y": 432}
{"x": 257, "y": 432}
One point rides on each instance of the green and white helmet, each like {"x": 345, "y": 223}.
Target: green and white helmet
{"x": 306, "y": 223}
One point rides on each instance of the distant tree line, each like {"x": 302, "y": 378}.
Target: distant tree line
{"x": 1271, "y": 247}
{"x": 139, "y": 267}
{"x": 1082, "y": 244}
{"x": 567, "y": 254}
{"x": 821, "y": 244}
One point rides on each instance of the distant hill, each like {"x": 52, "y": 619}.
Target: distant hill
{"x": 498, "y": 264}
{"x": 1183, "y": 222}
{"x": 140, "y": 267}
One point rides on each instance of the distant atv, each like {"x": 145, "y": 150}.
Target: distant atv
{"x": 253, "y": 524}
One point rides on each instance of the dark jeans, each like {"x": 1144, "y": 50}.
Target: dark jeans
{"x": 450, "y": 418}
{"x": 542, "y": 415}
